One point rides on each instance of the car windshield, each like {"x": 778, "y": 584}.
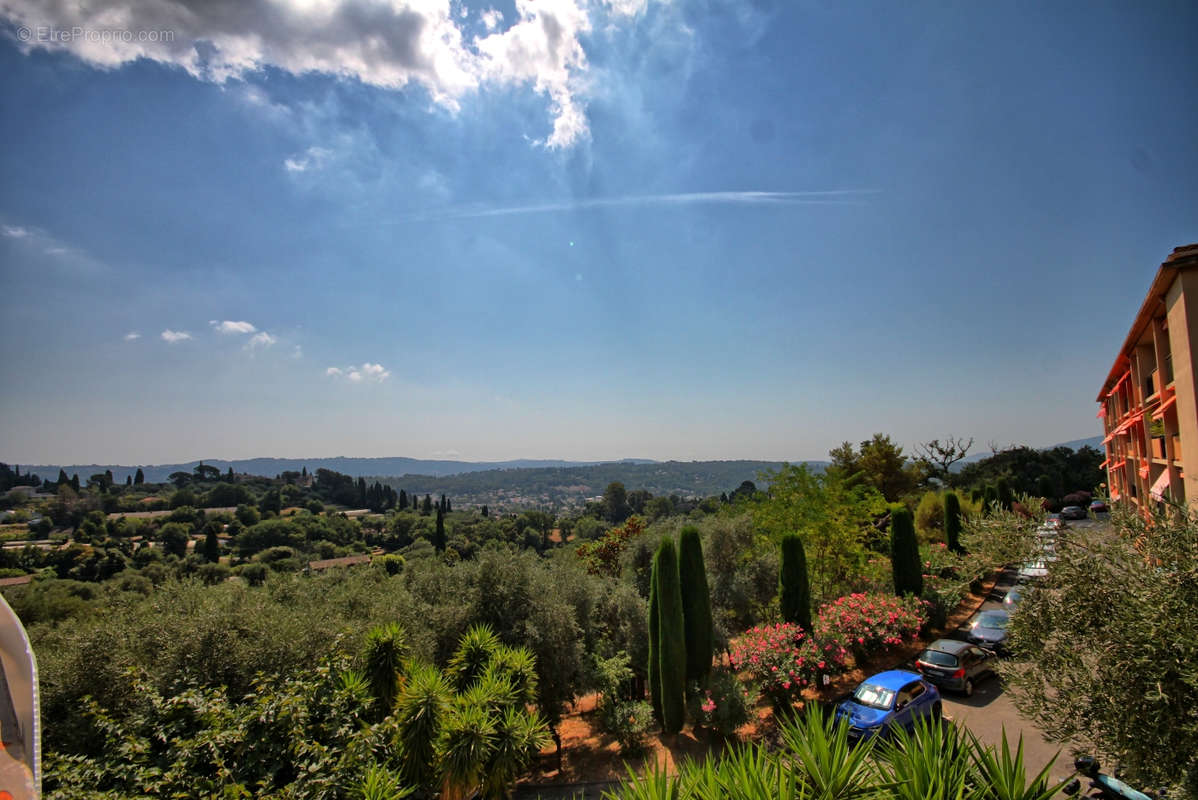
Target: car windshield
{"x": 993, "y": 619}
{"x": 868, "y": 694}
{"x": 939, "y": 658}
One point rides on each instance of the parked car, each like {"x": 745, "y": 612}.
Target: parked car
{"x": 1033, "y": 570}
{"x": 955, "y": 665}
{"x": 1073, "y": 512}
{"x": 989, "y": 628}
{"x": 1098, "y": 507}
{"x": 1012, "y": 599}
{"x": 892, "y": 698}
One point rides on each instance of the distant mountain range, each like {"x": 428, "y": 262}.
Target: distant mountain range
{"x": 398, "y": 467}
{"x": 357, "y": 467}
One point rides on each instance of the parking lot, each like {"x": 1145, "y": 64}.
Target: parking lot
{"x": 991, "y": 709}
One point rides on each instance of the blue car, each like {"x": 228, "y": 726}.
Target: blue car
{"x": 892, "y": 698}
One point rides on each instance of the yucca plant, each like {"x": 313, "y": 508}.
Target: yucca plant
{"x": 1002, "y": 776}
{"x": 474, "y": 651}
{"x": 419, "y": 710}
{"x": 933, "y": 762}
{"x": 492, "y": 691}
{"x": 520, "y": 667}
{"x": 383, "y": 657}
{"x": 651, "y": 783}
{"x": 380, "y": 783}
{"x": 464, "y": 746}
{"x": 827, "y": 767}
{"x": 748, "y": 772}
{"x": 519, "y": 735}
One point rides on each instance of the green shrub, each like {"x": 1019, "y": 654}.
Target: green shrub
{"x": 952, "y": 522}
{"x": 696, "y": 605}
{"x": 904, "y": 553}
{"x": 794, "y": 592}
{"x": 724, "y": 705}
{"x": 671, "y": 637}
{"x": 929, "y": 517}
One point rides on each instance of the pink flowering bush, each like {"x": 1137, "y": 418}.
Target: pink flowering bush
{"x": 783, "y": 660}
{"x": 867, "y": 623}
{"x": 724, "y": 705}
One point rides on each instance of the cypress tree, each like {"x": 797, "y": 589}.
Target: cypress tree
{"x": 75, "y": 481}
{"x": 794, "y": 591}
{"x": 485, "y": 510}
{"x": 428, "y": 505}
{"x": 63, "y": 479}
{"x": 448, "y": 506}
{"x": 128, "y": 480}
{"x": 211, "y": 546}
{"x": 952, "y": 522}
{"x": 654, "y": 666}
{"x": 696, "y": 606}
{"x": 439, "y": 537}
{"x": 904, "y": 553}
{"x": 1004, "y": 494}
{"x": 671, "y": 639}
{"x": 403, "y": 499}
{"x": 990, "y": 498}
{"x": 138, "y": 479}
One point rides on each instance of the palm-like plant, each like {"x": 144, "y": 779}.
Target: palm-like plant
{"x": 933, "y": 762}
{"x": 380, "y": 783}
{"x": 464, "y": 747}
{"x": 473, "y": 653}
{"x": 519, "y": 666}
{"x": 1002, "y": 776}
{"x": 519, "y": 735}
{"x": 420, "y": 708}
{"x": 827, "y": 766}
{"x": 383, "y": 657}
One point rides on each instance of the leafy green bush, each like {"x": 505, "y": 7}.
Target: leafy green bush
{"x": 724, "y": 705}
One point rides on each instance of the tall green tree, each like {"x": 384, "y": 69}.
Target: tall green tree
{"x": 952, "y": 522}
{"x": 827, "y": 510}
{"x": 904, "y": 553}
{"x": 696, "y": 605}
{"x": 671, "y": 635}
{"x": 880, "y": 463}
{"x": 383, "y": 658}
{"x": 211, "y": 545}
{"x": 138, "y": 479}
{"x": 439, "y": 539}
{"x": 1006, "y": 497}
{"x": 794, "y": 591}
{"x": 653, "y": 669}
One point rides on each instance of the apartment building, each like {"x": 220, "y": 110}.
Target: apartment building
{"x": 1148, "y": 404}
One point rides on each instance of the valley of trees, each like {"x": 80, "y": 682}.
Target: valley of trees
{"x": 188, "y": 643}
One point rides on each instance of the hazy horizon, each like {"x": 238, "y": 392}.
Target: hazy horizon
{"x": 577, "y": 229}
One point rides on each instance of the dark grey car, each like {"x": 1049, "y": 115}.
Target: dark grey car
{"x": 989, "y": 629}
{"x": 955, "y": 665}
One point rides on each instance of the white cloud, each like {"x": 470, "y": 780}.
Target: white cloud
{"x": 14, "y": 231}
{"x": 313, "y": 158}
{"x": 297, "y": 352}
{"x": 367, "y": 373}
{"x": 491, "y": 19}
{"x": 132, "y": 336}
{"x": 175, "y": 336}
{"x": 229, "y": 326}
{"x": 261, "y": 339}
{"x": 543, "y": 48}
{"x": 388, "y": 44}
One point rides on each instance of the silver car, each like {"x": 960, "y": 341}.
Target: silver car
{"x": 989, "y": 629}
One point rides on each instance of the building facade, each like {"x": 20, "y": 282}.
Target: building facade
{"x": 1148, "y": 403}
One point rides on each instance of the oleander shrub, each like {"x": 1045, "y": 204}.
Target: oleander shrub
{"x": 865, "y": 624}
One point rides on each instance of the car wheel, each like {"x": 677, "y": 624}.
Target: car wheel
{"x": 968, "y": 690}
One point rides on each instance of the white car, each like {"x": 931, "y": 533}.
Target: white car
{"x": 1032, "y": 570}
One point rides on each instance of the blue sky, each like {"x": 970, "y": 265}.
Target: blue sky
{"x": 577, "y": 228}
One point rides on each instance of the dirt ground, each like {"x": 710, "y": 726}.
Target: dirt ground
{"x": 589, "y": 756}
